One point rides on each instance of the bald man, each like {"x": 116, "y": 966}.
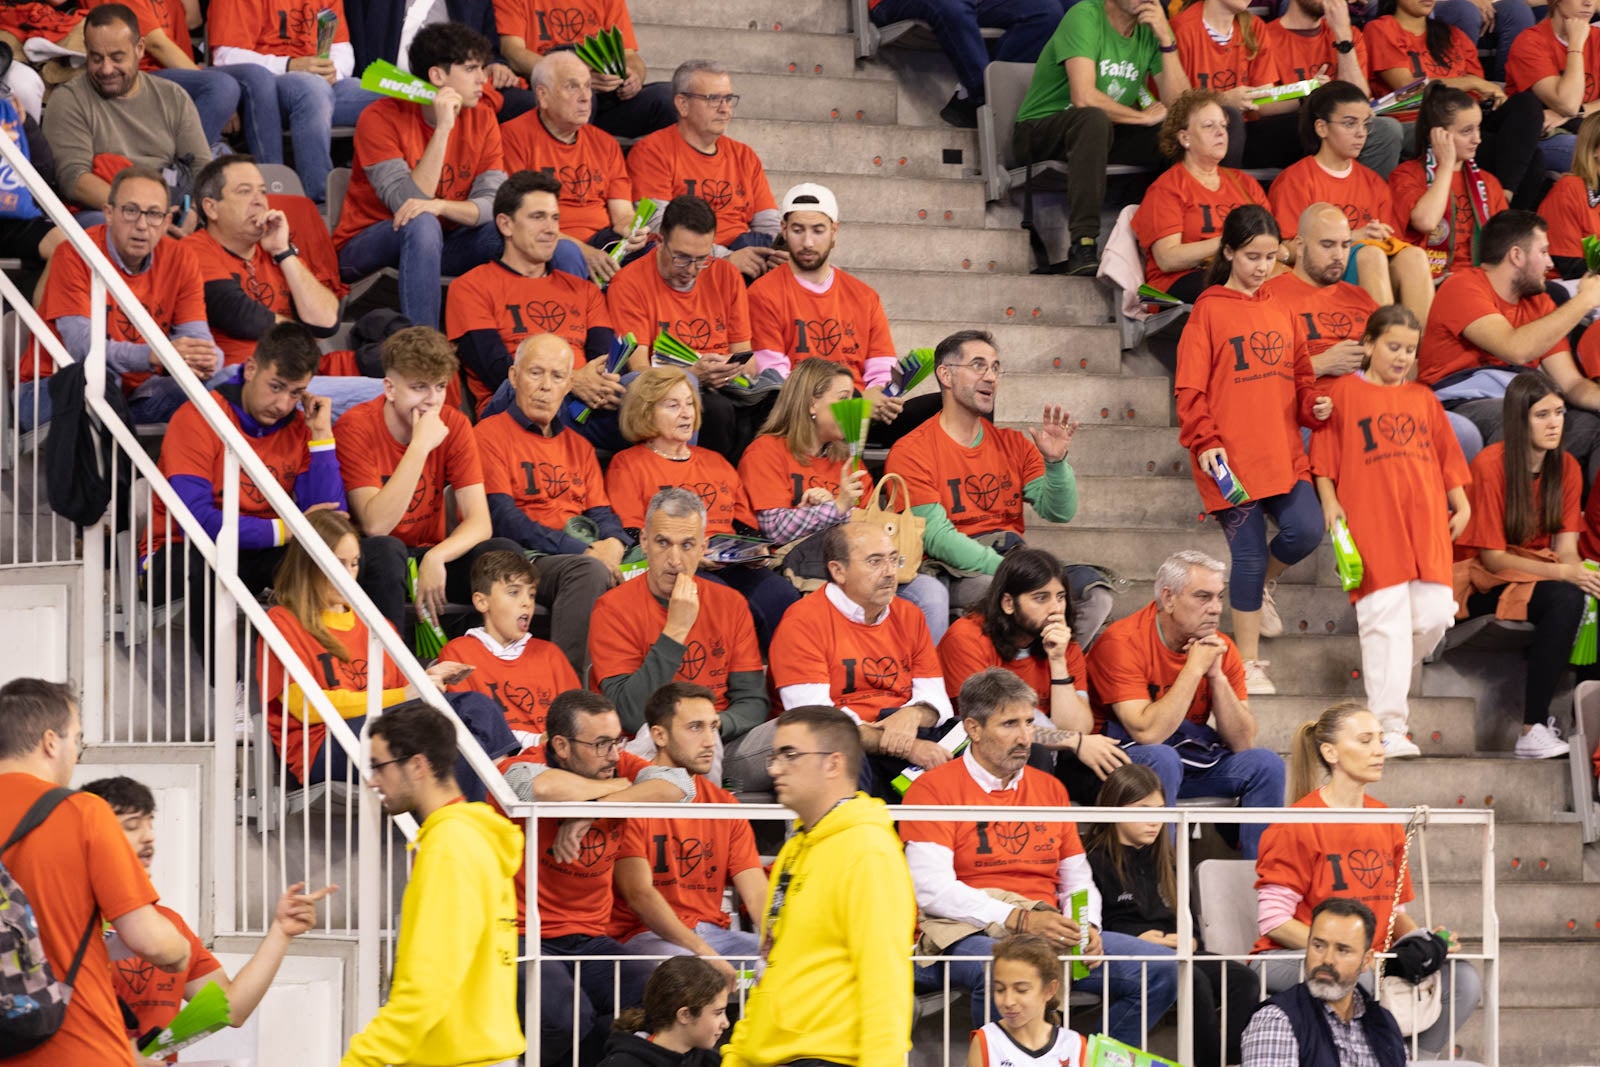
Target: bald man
{"x": 540, "y": 477}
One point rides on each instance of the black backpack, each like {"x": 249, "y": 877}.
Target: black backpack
{"x": 81, "y": 461}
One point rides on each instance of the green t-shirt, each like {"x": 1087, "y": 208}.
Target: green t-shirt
{"x": 1124, "y": 63}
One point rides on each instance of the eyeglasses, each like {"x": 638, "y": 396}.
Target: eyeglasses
{"x": 981, "y": 367}
{"x": 715, "y": 99}
{"x": 153, "y": 216}
{"x": 783, "y": 757}
{"x": 683, "y": 262}
{"x": 1351, "y": 124}
{"x": 603, "y": 746}
{"x": 883, "y": 562}
{"x": 376, "y": 767}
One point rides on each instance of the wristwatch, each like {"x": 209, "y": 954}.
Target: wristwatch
{"x": 286, "y": 253}
{"x": 1344, "y": 48}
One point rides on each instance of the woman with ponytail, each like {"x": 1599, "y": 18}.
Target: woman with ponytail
{"x": 1572, "y": 206}
{"x": 684, "y": 1015}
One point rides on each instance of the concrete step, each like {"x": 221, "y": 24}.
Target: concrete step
{"x": 1091, "y": 398}
{"x": 1524, "y": 852}
{"x": 1136, "y": 554}
{"x": 1134, "y": 501}
{"x": 758, "y": 51}
{"x": 933, "y": 202}
{"x": 858, "y": 148}
{"x": 945, "y": 248}
{"x": 1537, "y": 1037}
{"x": 1523, "y": 790}
{"x": 1027, "y": 348}
{"x": 1551, "y": 976}
{"x": 1440, "y": 726}
{"x": 1526, "y": 909}
{"x": 813, "y": 98}
{"x": 802, "y": 16}
{"x": 1305, "y": 609}
{"x": 1129, "y": 452}
{"x": 985, "y": 298}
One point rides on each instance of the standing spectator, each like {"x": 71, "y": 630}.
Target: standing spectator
{"x": 1088, "y": 106}
{"x": 1329, "y": 313}
{"x": 840, "y": 913}
{"x": 434, "y": 216}
{"x": 169, "y": 54}
{"x": 1572, "y": 206}
{"x": 455, "y": 968}
{"x": 1559, "y": 61}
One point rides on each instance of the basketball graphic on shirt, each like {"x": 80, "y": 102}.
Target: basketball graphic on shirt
{"x": 982, "y": 489}
{"x": 250, "y": 494}
{"x": 553, "y": 477}
{"x": 576, "y": 180}
{"x": 1223, "y": 80}
{"x": 1399, "y": 429}
{"x": 593, "y": 847}
{"x": 1353, "y": 215}
{"x": 545, "y": 316}
{"x": 693, "y": 662}
{"x": 517, "y": 698}
{"x": 136, "y": 973}
{"x": 706, "y": 491}
{"x": 1011, "y": 836}
{"x": 717, "y": 193}
{"x": 1267, "y": 346}
{"x": 1335, "y": 323}
{"x": 696, "y": 333}
{"x": 690, "y": 852}
{"x": 881, "y": 672}
{"x": 563, "y": 25}
{"x": 260, "y": 290}
{"x": 824, "y": 335}
{"x": 1365, "y": 866}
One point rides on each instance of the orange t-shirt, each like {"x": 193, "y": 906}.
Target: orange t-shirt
{"x": 692, "y": 861}
{"x": 1019, "y": 857}
{"x": 773, "y": 478}
{"x": 1322, "y": 860}
{"x": 1571, "y": 213}
{"x": 170, "y": 288}
{"x": 843, "y": 324}
{"x": 590, "y": 169}
{"x": 980, "y": 487}
{"x": 1243, "y": 389}
{"x": 712, "y": 317}
{"x": 168, "y": 16}
{"x": 1487, "y": 526}
{"x": 1360, "y": 194}
{"x": 369, "y": 454}
{"x": 1537, "y": 54}
{"x": 1589, "y": 351}
{"x": 1390, "y": 46}
{"x": 1449, "y": 246}
{"x": 544, "y": 25}
{"x": 627, "y": 620}
{"x": 868, "y": 669}
{"x": 524, "y": 687}
{"x": 154, "y": 996}
{"x": 1129, "y": 661}
{"x": 639, "y": 473}
{"x": 492, "y": 296}
{"x": 1323, "y": 315}
{"x": 395, "y": 129}
{"x": 1464, "y": 298}
{"x": 731, "y": 179}
{"x": 37, "y": 18}
{"x": 261, "y": 279}
{"x": 550, "y": 479}
{"x": 1220, "y": 67}
{"x": 76, "y": 862}
{"x": 272, "y": 27}
{"x": 1178, "y": 205}
{"x": 1298, "y": 56}
{"x": 965, "y": 650}
{"x": 1392, "y": 457}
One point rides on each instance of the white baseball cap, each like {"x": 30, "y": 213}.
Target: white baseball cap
{"x": 809, "y": 196}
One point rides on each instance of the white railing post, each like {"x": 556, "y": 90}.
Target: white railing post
{"x": 224, "y": 665}
{"x": 369, "y": 846}
{"x": 91, "y": 626}
{"x": 530, "y": 937}
{"x": 1491, "y": 951}
{"x": 1185, "y": 944}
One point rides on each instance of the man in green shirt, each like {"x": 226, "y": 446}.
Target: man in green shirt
{"x": 1088, "y": 104}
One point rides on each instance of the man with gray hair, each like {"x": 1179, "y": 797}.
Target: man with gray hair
{"x": 697, "y": 158}
{"x": 1167, "y": 685}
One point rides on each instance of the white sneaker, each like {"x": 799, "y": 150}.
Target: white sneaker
{"x": 1396, "y": 745}
{"x": 1271, "y": 621}
{"x": 1541, "y": 742}
{"x": 1256, "y": 682}
{"x": 241, "y": 713}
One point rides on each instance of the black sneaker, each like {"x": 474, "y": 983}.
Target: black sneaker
{"x": 961, "y": 112}
{"x": 1083, "y": 259}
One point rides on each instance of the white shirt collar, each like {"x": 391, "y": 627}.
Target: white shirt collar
{"x": 986, "y": 781}
{"x": 849, "y": 608}
{"x": 508, "y": 653}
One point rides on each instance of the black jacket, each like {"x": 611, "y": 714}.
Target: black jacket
{"x": 630, "y": 1050}
{"x": 1309, "y": 1017}
{"x": 375, "y": 26}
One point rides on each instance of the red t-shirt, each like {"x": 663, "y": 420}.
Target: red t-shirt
{"x": 272, "y": 27}
{"x": 1464, "y": 298}
{"x": 1298, "y": 56}
{"x": 639, "y": 473}
{"x": 394, "y": 129}
{"x": 965, "y": 650}
{"x": 1449, "y": 246}
{"x": 550, "y": 479}
{"x": 628, "y": 619}
{"x": 590, "y": 169}
{"x": 980, "y": 487}
{"x": 844, "y": 324}
{"x": 261, "y": 280}
{"x": 773, "y": 478}
{"x": 1392, "y": 457}
{"x": 1390, "y": 46}
{"x": 1178, "y": 205}
{"x": 39, "y": 19}
{"x": 1360, "y": 194}
{"x": 524, "y": 687}
{"x": 77, "y": 862}
{"x": 1571, "y": 213}
{"x": 868, "y": 669}
{"x": 168, "y": 16}
{"x": 1589, "y": 351}
{"x": 1323, "y": 315}
{"x": 1129, "y": 662}
{"x": 712, "y": 317}
{"x": 544, "y": 25}
{"x": 731, "y": 179}
{"x": 154, "y": 996}
{"x": 1537, "y": 54}
{"x": 692, "y": 861}
{"x": 1221, "y": 67}
{"x": 369, "y": 454}
{"x": 1487, "y": 526}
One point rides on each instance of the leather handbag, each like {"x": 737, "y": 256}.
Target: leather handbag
{"x": 903, "y": 528}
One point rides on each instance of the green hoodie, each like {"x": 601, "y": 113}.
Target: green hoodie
{"x": 453, "y": 1000}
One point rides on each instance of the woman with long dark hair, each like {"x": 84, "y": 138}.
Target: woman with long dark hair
{"x": 684, "y": 1015}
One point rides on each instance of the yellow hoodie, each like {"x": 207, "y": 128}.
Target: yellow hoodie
{"x": 838, "y": 980}
{"x": 453, "y": 1000}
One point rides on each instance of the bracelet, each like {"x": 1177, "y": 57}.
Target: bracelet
{"x": 1078, "y": 749}
{"x": 1068, "y": 680}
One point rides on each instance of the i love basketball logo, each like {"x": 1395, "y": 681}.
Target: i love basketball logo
{"x": 1365, "y": 866}
{"x": 518, "y": 698}
{"x": 1356, "y": 216}
{"x": 564, "y": 25}
{"x": 696, "y": 333}
{"x": 824, "y": 335}
{"x": 1336, "y": 324}
{"x": 553, "y": 478}
{"x": 1222, "y": 81}
{"x": 252, "y": 498}
{"x": 706, "y": 491}
{"x": 693, "y": 661}
{"x": 546, "y": 316}
{"x": 982, "y": 489}
{"x": 691, "y": 853}
{"x": 1399, "y": 429}
{"x": 593, "y": 847}
{"x": 881, "y": 672}
{"x": 136, "y": 973}
{"x": 1011, "y": 836}
{"x": 260, "y": 290}
{"x": 717, "y": 193}
{"x": 576, "y": 181}
{"x": 1268, "y": 346}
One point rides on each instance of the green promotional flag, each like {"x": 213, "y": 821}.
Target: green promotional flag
{"x": 1109, "y": 1052}
{"x": 389, "y": 80}
{"x": 1584, "y": 644}
{"x": 1079, "y": 905}
{"x": 200, "y": 1018}
{"x": 327, "y": 22}
{"x": 643, "y": 215}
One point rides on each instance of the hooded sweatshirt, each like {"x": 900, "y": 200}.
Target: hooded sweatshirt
{"x": 838, "y": 947}
{"x": 624, "y": 1049}
{"x": 453, "y": 1000}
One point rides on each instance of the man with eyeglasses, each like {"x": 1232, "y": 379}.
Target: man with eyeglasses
{"x": 697, "y": 158}
{"x": 581, "y": 759}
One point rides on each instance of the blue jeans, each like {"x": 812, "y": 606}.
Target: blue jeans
{"x": 956, "y": 25}
{"x": 1255, "y": 776}
{"x": 215, "y": 96}
{"x": 1300, "y": 531}
{"x": 311, "y": 107}
{"x": 932, "y": 599}
{"x": 1556, "y": 151}
{"x": 1511, "y": 17}
{"x": 1127, "y": 1010}
{"x": 424, "y": 253}
{"x": 1467, "y": 435}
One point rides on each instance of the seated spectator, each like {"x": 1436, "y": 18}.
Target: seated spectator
{"x": 1336, "y": 759}
{"x": 384, "y": 29}
{"x": 169, "y": 54}
{"x": 1161, "y": 677}
{"x": 1572, "y": 206}
{"x": 686, "y": 1006}
{"x": 582, "y": 760}
{"x": 163, "y": 277}
{"x": 398, "y": 453}
{"x": 1338, "y": 117}
{"x": 1240, "y": 421}
{"x": 1518, "y": 557}
{"x": 1022, "y": 626}
{"x": 114, "y": 114}
{"x": 1313, "y": 37}
{"x": 661, "y": 413}
{"x": 1338, "y": 952}
{"x": 1088, "y": 106}
{"x": 696, "y": 157}
{"x": 672, "y": 873}
{"x": 1179, "y": 221}
{"x": 1495, "y": 320}
{"x": 1027, "y": 987}
{"x": 558, "y": 139}
{"x": 1558, "y": 60}
{"x": 976, "y": 897}
{"x": 55, "y": 32}
{"x": 1504, "y": 19}
{"x": 627, "y": 107}
{"x": 516, "y": 670}
{"x": 541, "y": 477}
{"x": 1329, "y": 313}
{"x": 794, "y": 473}
{"x": 968, "y": 479}
{"x": 671, "y": 624}
{"x": 434, "y": 216}
{"x": 495, "y": 307}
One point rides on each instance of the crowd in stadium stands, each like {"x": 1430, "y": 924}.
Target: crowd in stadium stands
{"x": 1388, "y": 331}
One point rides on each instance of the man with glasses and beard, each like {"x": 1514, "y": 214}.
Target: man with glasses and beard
{"x": 1328, "y": 1018}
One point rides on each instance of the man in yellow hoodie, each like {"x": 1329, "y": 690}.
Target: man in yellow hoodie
{"x": 452, "y": 1002}
{"x": 840, "y": 917}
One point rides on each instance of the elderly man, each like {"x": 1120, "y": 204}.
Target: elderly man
{"x": 977, "y": 881}
{"x": 1171, "y": 688}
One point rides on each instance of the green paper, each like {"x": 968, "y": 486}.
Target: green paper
{"x": 910, "y": 371}
{"x": 1346, "y": 557}
{"x": 389, "y": 80}
{"x": 1157, "y": 296}
{"x": 430, "y": 638}
{"x": 1275, "y": 94}
{"x": 1591, "y": 253}
{"x": 643, "y": 215}
{"x": 1078, "y": 903}
{"x": 852, "y": 416}
{"x": 673, "y": 352}
{"x": 204, "y": 1015}
{"x": 955, "y": 742}
{"x": 1584, "y": 645}
{"x": 327, "y": 22}
{"x": 1109, "y": 1052}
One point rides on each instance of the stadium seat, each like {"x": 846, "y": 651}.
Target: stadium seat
{"x": 282, "y": 179}
{"x": 1485, "y": 634}
{"x": 1227, "y": 906}
{"x": 907, "y": 33}
{"x": 1585, "y": 732}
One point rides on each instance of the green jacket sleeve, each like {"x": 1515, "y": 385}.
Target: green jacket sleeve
{"x": 1054, "y": 494}
{"x": 945, "y": 543}
{"x": 747, "y": 703}
{"x": 630, "y": 691}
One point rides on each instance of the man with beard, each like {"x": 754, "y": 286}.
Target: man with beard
{"x": 1328, "y": 1018}
{"x": 1329, "y": 313}
{"x": 1494, "y": 321}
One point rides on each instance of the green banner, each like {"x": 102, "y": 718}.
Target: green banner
{"x": 389, "y": 80}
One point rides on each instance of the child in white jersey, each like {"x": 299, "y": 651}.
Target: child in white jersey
{"x": 1027, "y": 994}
